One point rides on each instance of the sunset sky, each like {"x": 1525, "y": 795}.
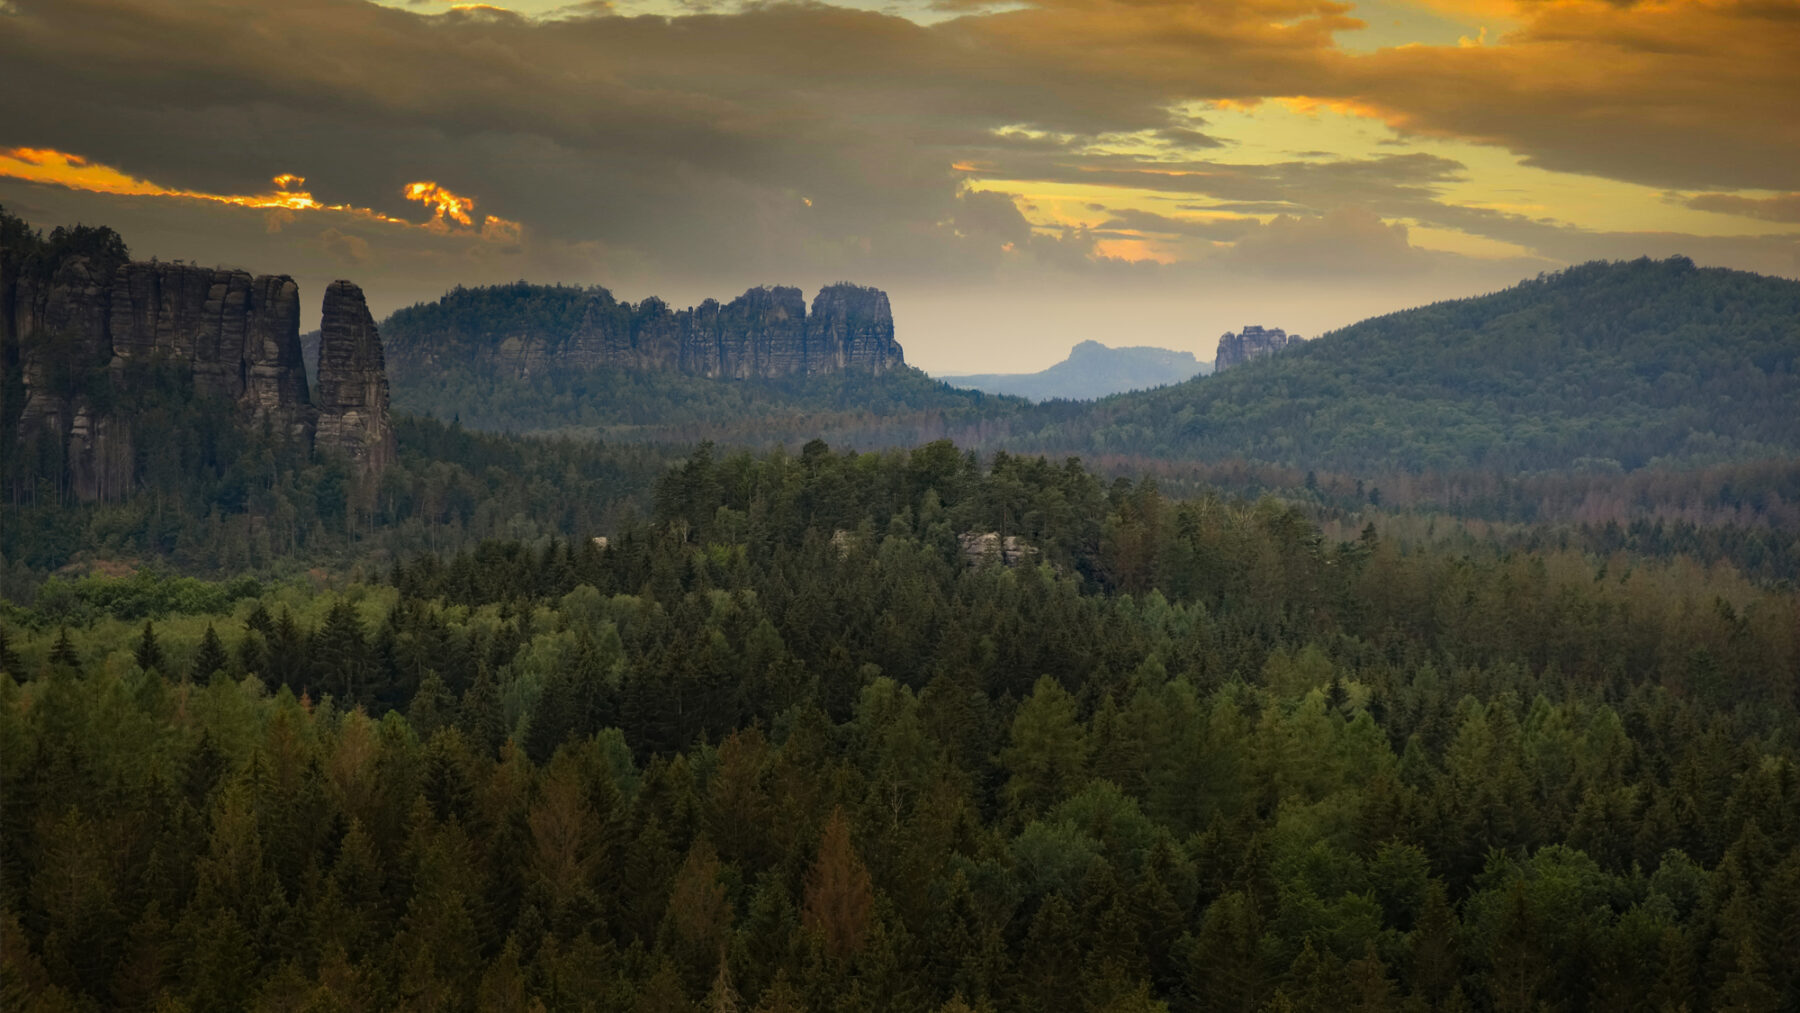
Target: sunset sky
{"x": 1018, "y": 175}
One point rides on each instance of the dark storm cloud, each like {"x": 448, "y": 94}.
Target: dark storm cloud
{"x": 789, "y": 141}
{"x": 1780, "y": 208}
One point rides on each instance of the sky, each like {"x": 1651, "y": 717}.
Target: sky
{"x": 1019, "y": 175}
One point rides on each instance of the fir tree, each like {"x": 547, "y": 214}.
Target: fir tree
{"x": 148, "y": 653}
{"x": 209, "y": 657}
{"x": 63, "y": 651}
{"x": 839, "y": 897}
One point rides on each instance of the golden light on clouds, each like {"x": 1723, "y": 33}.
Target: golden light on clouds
{"x": 1134, "y": 250}
{"x": 444, "y": 204}
{"x": 60, "y": 168}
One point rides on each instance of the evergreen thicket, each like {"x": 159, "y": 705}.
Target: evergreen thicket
{"x": 781, "y": 744}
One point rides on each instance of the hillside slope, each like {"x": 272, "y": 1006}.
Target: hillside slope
{"x": 1092, "y": 370}
{"x": 1602, "y": 366}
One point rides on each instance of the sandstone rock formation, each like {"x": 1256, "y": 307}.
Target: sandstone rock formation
{"x": 988, "y": 547}
{"x": 766, "y": 332}
{"x": 353, "y": 384}
{"x": 87, "y": 334}
{"x": 1251, "y": 343}
{"x": 851, "y": 328}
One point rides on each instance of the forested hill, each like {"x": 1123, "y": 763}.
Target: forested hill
{"x": 1606, "y": 365}
{"x": 469, "y": 320}
{"x": 786, "y": 748}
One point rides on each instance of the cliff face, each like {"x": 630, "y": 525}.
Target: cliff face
{"x": 766, "y": 332}
{"x": 84, "y": 335}
{"x": 852, "y": 328}
{"x": 1254, "y": 341}
{"x": 353, "y": 385}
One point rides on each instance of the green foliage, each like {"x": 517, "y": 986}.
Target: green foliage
{"x": 468, "y": 319}
{"x": 734, "y": 759}
{"x": 146, "y": 594}
{"x": 450, "y": 488}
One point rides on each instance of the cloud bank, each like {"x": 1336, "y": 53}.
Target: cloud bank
{"x": 1042, "y": 153}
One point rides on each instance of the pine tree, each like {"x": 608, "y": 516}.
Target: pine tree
{"x": 1051, "y": 962}
{"x": 503, "y": 983}
{"x": 1371, "y": 990}
{"x": 1519, "y": 967}
{"x": 722, "y": 997}
{"x": 340, "y": 655}
{"x": 1674, "y": 988}
{"x": 1224, "y": 966}
{"x": 1048, "y": 751}
{"x": 780, "y": 997}
{"x": 1747, "y": 988}
{"x": 148, "y": 653}
{"x": 287, "y": 654}
{"x": 663, "y": 992}
{"x": 432, "y": 706}
{"x": 840, "y": 900}
{"x": 1434, "y": 970}
{"x": 209, "y": 658}
{"x": 63, "y": 651}
{"x": 480, "y": 715}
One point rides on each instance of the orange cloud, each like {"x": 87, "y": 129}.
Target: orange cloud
{"x": 60, "y": 168}
{"x": 1133, "y": 250}
{"x": 445, "y": 205}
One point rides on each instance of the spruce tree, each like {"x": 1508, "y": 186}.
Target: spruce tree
{"x": 840, "y": 900}
{"x": 149, "y": 653}
{"x": 340, "y": 655}
{"x": 63, "y": 651}
{"x": 210, "y": 657}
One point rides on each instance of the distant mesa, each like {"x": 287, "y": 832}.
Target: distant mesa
{"x": 87, "y": 328}
{"x": 1092, "y": 370}
{"x": 1253, "y": 342}
{"x": 766, "y": 332}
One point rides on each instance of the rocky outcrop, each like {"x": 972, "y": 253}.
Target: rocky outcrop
{"x": 353, "y": 384}
{"x": 239, "y": 334}
{"x": 766, "y": 332}
{"x": 1253, "y": 342}
{"x": 88, "y": 338}
{"x": 851, "y": 328}
{"x": 988, "y": 547}
{"x": 65, "y": 316}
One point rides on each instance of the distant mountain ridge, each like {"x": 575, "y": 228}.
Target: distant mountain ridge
{"x": 1601, "y": 366}
{"x": 527, "y": 357}
{"x": 522, "y": 329}
{"x": 1092, "y": 370}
